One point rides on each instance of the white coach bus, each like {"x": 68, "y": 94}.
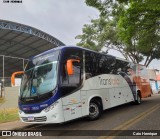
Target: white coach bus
{"x": 70, "y": 82}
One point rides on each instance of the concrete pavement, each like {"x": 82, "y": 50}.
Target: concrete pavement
{"x": 128, "y": 116}
{"x": 13, "y": 125}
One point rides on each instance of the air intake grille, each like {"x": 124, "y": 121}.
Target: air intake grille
{"x": 36, "y": 119}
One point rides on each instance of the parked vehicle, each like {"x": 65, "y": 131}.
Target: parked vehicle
{"x": 66, "y": 83}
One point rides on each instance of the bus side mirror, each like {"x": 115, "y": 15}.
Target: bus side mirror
{"x": 13, "y": 76}
{"x": 70, "y": 70}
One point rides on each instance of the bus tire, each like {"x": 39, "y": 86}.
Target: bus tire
{"x": 95, "y": 110}
{"x": 138, "y": 101}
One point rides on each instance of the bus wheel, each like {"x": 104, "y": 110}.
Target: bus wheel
{"x": 94, "y": 110}
{"x": 138, "y": 101}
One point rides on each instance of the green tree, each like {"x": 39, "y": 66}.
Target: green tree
{"x": 139, "y": 29}
{"x": 101, "y": 33}
{"x": 129, "y": 26}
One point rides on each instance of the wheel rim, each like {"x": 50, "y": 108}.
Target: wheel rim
{"x": 93, "y": 110}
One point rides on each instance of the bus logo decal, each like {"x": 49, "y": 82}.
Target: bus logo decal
{"x": 109, "y": 81}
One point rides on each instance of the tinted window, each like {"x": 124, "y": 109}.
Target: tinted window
{"x": 91, "y": 64}
{"x": 121, "y": 66}
{"x": 106, "y": 64}
{"x": 69, "y": 83}
{"x": 96, "y": 64}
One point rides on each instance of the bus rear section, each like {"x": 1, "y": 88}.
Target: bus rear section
{"x": 142, "y": 81}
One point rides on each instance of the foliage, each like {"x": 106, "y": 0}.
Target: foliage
{"x": 130, "y": 26}
{"x": 7, "y": 115}
{"x": 96, "y": 34}
{"x": 139, "y": 29}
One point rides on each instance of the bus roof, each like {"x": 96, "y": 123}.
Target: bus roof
{"x": 82, "y": 48}
{"x": 65, "y": 47}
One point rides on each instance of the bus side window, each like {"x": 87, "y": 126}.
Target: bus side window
{"x": 75, "y": 78}
{"x": 64, "y": 76}
{"x": 69, "y": 83}
{"x": 87, "y": 65}
{"x": 97, "y": 64}
{"x": 91, "y": 64}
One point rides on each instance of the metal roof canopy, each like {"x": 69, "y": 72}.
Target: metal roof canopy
{"x": 21, "y": 42}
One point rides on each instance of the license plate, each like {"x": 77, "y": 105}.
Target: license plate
{"x": 31, "y": 118}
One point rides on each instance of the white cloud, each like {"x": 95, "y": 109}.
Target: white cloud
{"x": 62, "y": 19}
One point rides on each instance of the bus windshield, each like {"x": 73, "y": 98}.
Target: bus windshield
{"x": 40, "y": 76}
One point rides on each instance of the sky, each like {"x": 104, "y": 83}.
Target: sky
{"x": 63, "y": 19}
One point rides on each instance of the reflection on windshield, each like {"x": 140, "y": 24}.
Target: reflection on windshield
{"x": 39, "y": 80}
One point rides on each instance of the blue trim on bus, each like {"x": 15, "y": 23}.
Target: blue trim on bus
{"x": 66, "y": 47}
{"x": 131, "y": 84}
{"x": 38, "y": 107}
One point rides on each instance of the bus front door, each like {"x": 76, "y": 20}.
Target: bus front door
{"x": 72, "y": 106}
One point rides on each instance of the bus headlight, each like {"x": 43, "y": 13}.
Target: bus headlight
{"x": 50, "y": 107}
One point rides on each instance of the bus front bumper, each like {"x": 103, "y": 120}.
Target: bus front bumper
{"x": 54, "y": 115}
